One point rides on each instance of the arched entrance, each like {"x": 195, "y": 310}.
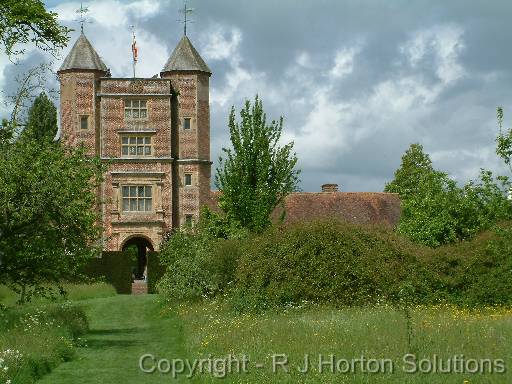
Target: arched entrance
{"x": 141, "y": 245}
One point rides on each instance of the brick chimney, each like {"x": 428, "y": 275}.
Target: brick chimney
{"x": 330, "y": 188}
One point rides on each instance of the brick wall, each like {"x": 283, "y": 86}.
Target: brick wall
{"x": 77, "y": 91}
{"x": 174, "y": 150}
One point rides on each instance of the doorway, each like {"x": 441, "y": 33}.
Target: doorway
{"x": 139, "y": 246}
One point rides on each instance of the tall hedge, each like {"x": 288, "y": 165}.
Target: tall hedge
{"x": 115, "y": 268}
{"x": 328, "y": 262}
{"x": 155, "y": 271}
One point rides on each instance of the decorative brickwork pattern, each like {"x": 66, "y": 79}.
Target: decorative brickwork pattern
{"x": 103, "y": 99}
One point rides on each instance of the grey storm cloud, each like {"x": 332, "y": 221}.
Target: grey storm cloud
{"x": 357, "y": 81}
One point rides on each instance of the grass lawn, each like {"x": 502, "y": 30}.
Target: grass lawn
{"x": 125, "y": 327}
{"x": 74, "y": 292}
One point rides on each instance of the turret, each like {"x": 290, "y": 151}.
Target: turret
{"x": 190, "y": 78}
{"x": 79, "y": 108}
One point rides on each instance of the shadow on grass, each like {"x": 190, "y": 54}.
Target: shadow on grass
{"x": 114, "y": 331}
{"x": 112, "y": 343}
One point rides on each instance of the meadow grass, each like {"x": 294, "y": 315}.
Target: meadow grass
{"x": 349, "y": 333}
{"x": 38, "y": 336}
{"x": 74, "y": 292}
{"x": 123, "y": 328}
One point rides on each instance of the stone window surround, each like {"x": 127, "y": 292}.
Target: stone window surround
{"x": 134, "y": 178}
{"x": 80, "y": 117}
{"x": 128, "y": 105}
{"x": 137, "y": 135}
{"x": 188, "y": 179}
{"x": 185, "y": 120}
{"x": 146, "y": 198}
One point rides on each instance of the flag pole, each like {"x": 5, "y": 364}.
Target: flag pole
{"x": 134, "y": 50}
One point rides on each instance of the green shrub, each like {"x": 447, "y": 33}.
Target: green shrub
{"x": 201, "y": 262}
{"x": 478, "y": 272}
{"x": 197, "y": 265}
{"x": 328, "y": 262}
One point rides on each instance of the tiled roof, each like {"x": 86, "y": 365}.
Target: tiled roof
{"x": 185, "y": 58}
{"x": 83, "y": 56}
{"x": 353, "y": 207}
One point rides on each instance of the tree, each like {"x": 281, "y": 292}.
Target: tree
{"x": 24, "y": 22}
{"x": 30, "y": 84}
{"x": 504, "y": 141}
{"x": 257, "y": 173}
{"x": 436, "y": 211}
{"x": 42, "y": 120}
{"x": 49, "y": 224}
{"x": 415, "y": 165}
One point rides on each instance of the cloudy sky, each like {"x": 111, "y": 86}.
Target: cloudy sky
{"x": 356, "y": 81}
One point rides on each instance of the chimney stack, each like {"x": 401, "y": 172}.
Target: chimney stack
{"x": 330, "y": 188}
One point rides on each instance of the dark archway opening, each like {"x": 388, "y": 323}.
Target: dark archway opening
{"x": 141, "y": 246}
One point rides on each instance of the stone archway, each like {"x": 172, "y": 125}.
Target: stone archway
{"x": 142, "y": 244}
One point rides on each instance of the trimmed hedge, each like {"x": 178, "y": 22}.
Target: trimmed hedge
{"x": 329, "y": 262}
{"x": 340, "y": 264}
{"x": 343, "y": 264}
{"x": 115, "y": 268}
{"x": 155, "y": 271}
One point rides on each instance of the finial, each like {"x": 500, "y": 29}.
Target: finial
{"x": 185, "y": 20}
{"x": 81, "y": 19}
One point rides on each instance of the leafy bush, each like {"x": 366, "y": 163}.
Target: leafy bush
{"x": 478, "y": 272}
{"x": 197, "y": 266}
{"x": 335, "y": 263}
{"x": 201, "y": 261}
{"x": 328, "y": 262}
{"x": 342, "y": 264}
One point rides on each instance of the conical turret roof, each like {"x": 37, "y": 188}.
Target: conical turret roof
{"x": 83, "y": 56}
{"x": 185, "y": 58}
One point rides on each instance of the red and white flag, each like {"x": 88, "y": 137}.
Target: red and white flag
{"x": 135, "y": 50}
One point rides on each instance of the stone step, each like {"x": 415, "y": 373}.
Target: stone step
{"x": 139, "y": 287}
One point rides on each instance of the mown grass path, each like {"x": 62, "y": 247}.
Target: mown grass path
{"x": 123, "y": 328}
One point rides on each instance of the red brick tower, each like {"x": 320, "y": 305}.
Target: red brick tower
{"x": 189, "y": 77}
{"x": 154, "y": 134}
{"x": 79, "y": 81}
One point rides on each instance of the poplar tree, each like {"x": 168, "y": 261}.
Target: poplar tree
{"x": 257, "y": 173}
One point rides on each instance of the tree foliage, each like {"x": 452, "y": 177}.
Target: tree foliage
{"x": 504, "y": 142}
{"x": 49, "y": 224}
{"x": 200, "y": 261}
{"x": 415, "y": 166}
{"x": 28, "y": 22}
{"x": 257, "y": 173}
{"x": 436, "y": 211}
{"x": 42, "y": 120}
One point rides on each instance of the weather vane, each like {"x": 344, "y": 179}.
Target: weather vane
{"x": 186, "y": 11}
{"x": 81, "y": 19}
